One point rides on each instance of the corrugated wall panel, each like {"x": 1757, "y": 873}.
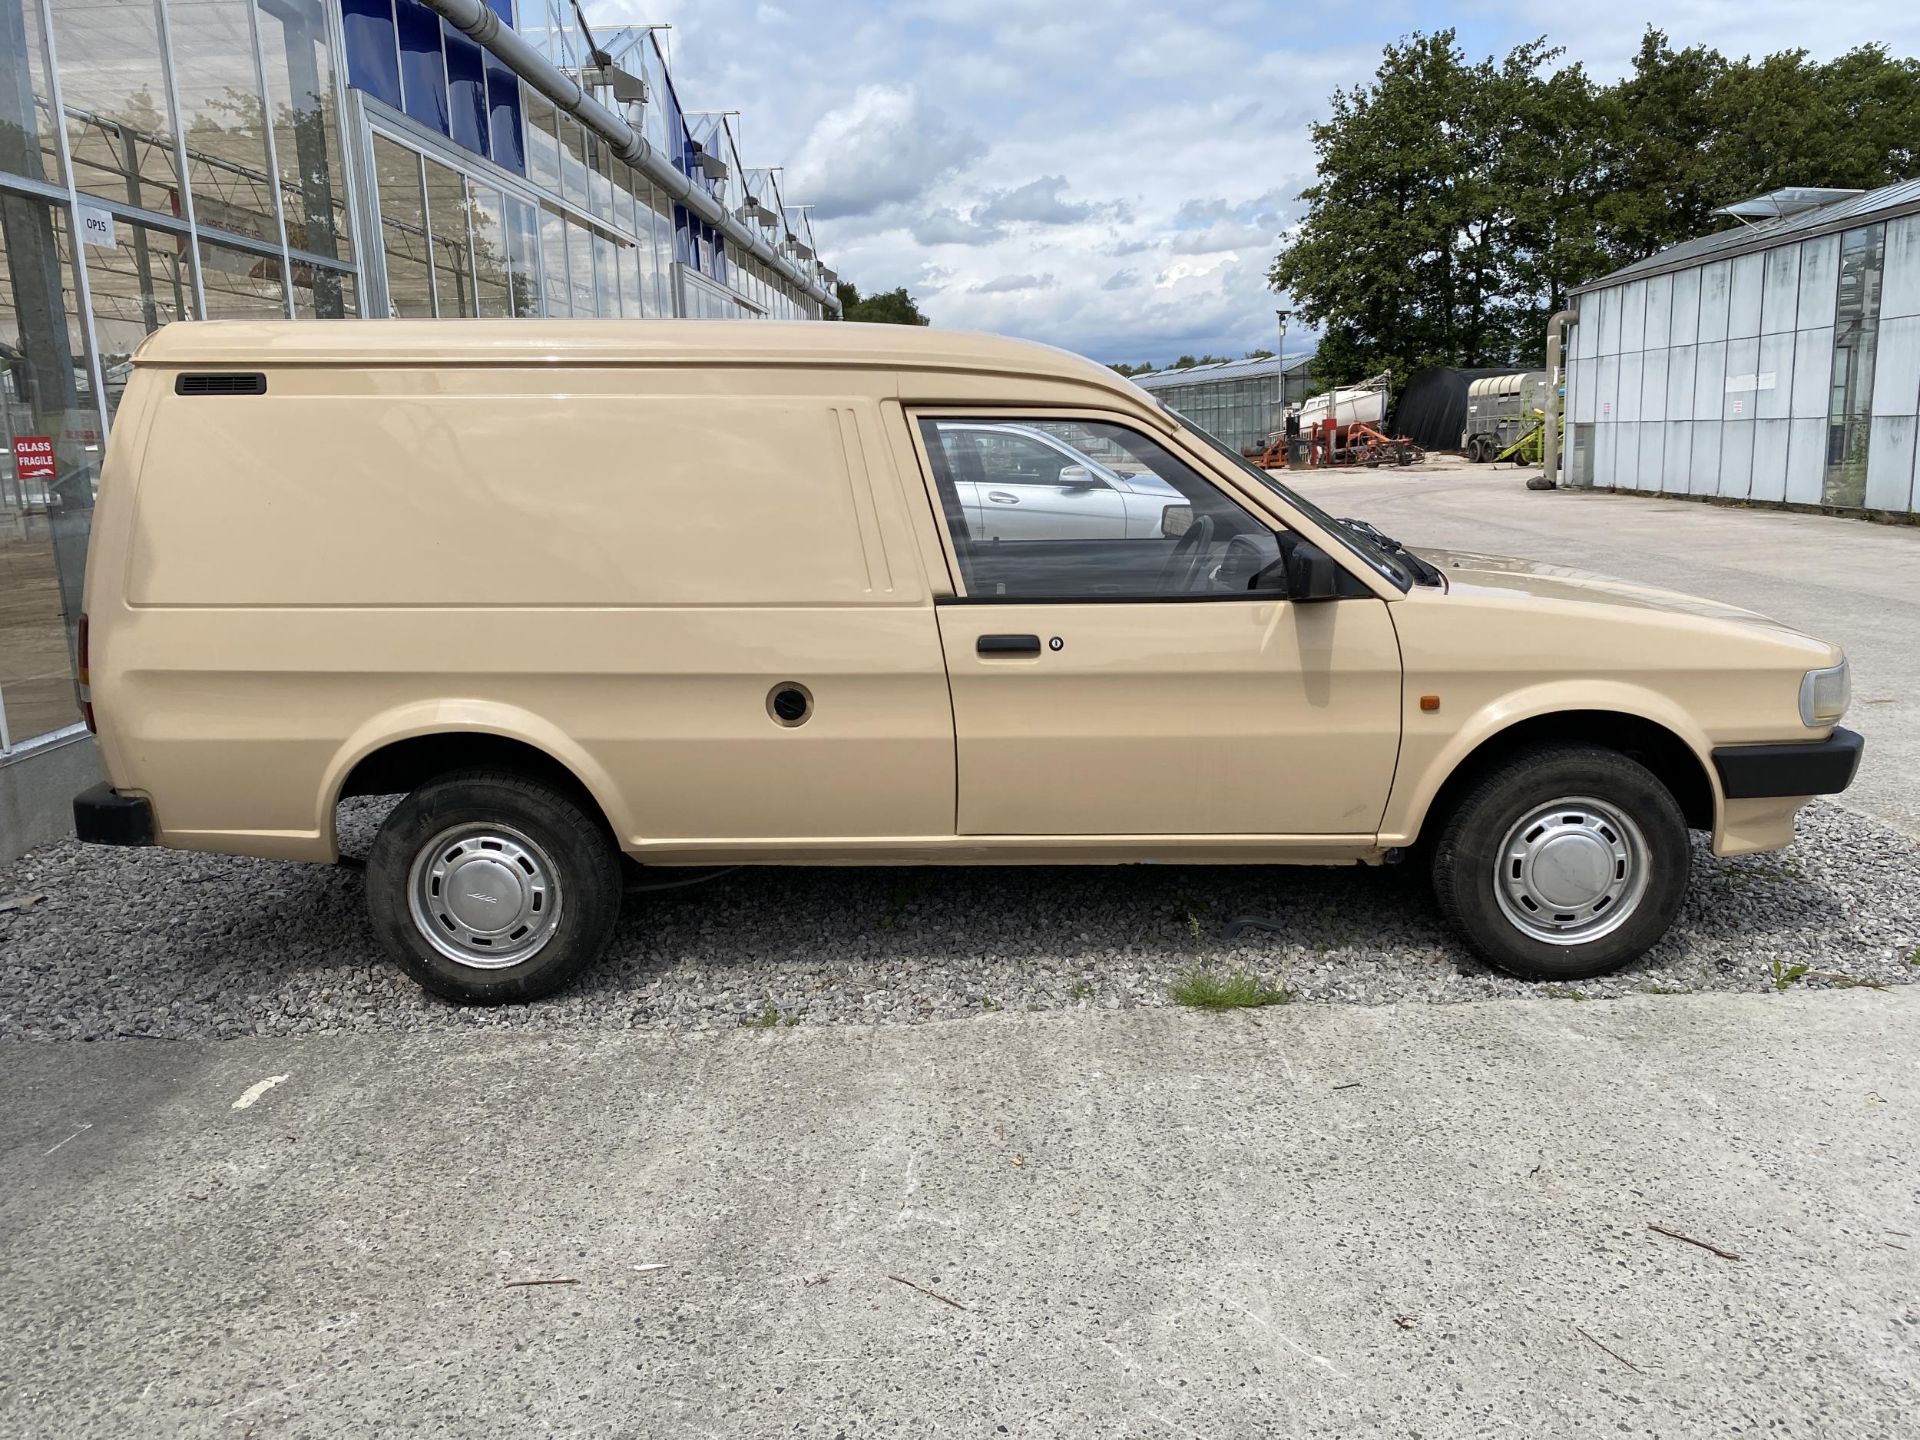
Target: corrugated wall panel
{"x": 1806, "y": 460}
{"x": 1651, "y": 467}
{"x": 1769, "y": 460}
{"x": 1703, "y": 470}
{"x": 1743, "y": 304}
{"x": 1633, "y": 317}
{"x": 1659, "y": 334}
{"x": 1653, "y": 384}
{"x": 1715, "y": 280}
{"x": 1779, "y": 289}
{"x": 1684, "y": 328}
{"x": 1819, "y": 282}
{"x": 1676, "y": 457}
{"x": 1812, "y": 373}
{"x": 1773, "y": 383}
{"x": 1606, "y": 390}
{"x": 1743, "y": 364}
{"x": 1890, "y": 463}
{"x": 1609, "y": 329}
{"x": 1626, "y": 457}
{"x": 1896, "y": 367}
{"x": 1581, "y": 378}
{"x": 1680, "y": 382}
{"x": 1736, "y": 459}
{"x": 1709, "y": 379}
{"x": 1900, "y": 292}
{"x": 1603, "y": 451}
{"x": 1632, "y": 371}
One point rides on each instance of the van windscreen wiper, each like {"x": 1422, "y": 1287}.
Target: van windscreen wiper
{"x": 1425, "y": 572}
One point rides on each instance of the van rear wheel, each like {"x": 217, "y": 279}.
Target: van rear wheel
{"x": 1565, "y": 862}
{"x": 491, "y": 888}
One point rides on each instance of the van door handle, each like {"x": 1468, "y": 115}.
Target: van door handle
{"x": 1007, "y": 645}
{"x": 1002, "y": 497}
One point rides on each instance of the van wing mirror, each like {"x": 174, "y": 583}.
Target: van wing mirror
{"x": 1311, "y": 574}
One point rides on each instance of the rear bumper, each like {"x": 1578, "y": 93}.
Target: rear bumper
{"x": 103, "y": 816}
{"x": 1818, "y": 767}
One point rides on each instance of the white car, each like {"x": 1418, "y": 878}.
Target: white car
{"x": 1019, "y": 482}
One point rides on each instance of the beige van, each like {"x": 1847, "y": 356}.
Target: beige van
{"x": 597, "y": 597}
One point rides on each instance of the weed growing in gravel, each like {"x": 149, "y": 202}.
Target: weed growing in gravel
{"x": 1563, "y": 992}
{"x": 1913, "y": 956}
{"x": 1191, "y": 911}
{"x": 1785, "y": 975}
{"x": 768, "y": 1017}
{"x": 898, "y": 899}
{"x": 1080, "y": 990}
{"x": 1664, "y": 990}
{"x": 1204, "y": 989}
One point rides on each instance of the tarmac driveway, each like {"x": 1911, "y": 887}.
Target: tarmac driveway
{"x": 1412, "y": 1220}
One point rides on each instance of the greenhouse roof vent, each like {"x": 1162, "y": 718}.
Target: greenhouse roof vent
{"x": 1790, "y": 200}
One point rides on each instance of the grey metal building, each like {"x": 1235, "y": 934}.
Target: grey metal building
{"x": 1775, "y": 362}
{"x": 1240, "y": 401}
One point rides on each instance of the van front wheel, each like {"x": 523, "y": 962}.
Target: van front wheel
{"x": 1566, "y": 862}
{"x": 490, "y": 888}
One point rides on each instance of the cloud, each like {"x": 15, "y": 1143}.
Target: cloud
{"x": 1039, "y": 202}
{"x": 947, "y": 226}
{"x": 1216, "y": 238}
{"x": 1010, "y": 284}
{"x": 885, "y": 146}
{"x": 1016, "y": 143}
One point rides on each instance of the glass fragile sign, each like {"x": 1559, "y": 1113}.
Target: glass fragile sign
{"x": 33, "y": 457}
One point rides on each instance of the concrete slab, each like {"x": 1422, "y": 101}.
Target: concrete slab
{"x": 1318, "y": 1221}
{"x": 37, "y": 787}
{"x": 1849, "y": 581}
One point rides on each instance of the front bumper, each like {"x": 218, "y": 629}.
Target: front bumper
{"x": 103, "y": 816}
{"x": 1818, "y": 767}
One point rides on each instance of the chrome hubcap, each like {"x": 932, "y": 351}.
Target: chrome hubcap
{"x": 1571, "y": 871}
{"x": 484, "y": 895}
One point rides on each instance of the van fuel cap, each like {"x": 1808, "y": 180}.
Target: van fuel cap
{"x": 790, "y": 703}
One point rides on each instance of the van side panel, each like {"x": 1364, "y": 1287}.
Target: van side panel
{"x": 619, "y": 562}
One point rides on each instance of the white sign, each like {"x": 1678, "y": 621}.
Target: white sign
{"x": 1745, "y": 384}
{"x": 96, "y": 227}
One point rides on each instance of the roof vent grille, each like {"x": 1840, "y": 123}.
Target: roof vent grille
{"x": 253, "y": 383}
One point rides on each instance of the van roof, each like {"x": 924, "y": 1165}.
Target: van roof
{"x": 612, "y": 342}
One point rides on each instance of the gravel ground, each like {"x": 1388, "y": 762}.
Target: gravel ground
{"x": 154, "y": 943}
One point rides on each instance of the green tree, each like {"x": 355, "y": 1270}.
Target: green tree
{"x": 1657, "y": 141}
{"x": 1121, "y": 367}
{"x": 1406, "y": 256}
{"x": 1457, "y": 202}
{"x": 888, "y": 307}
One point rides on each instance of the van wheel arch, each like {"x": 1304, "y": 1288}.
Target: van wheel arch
{"x": 1672, "y": 761}
{"x": 403, "y": 766}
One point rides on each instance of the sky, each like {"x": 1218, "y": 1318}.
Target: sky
{"x": 1111, "y": 177}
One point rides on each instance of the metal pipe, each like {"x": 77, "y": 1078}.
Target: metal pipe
{"x": 1550, "y": 433}
{"x": 476, "y": 19}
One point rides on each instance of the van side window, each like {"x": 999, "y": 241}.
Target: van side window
{"x": 1045, "y": 509}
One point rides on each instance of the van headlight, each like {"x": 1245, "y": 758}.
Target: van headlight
{"x": 1824, "y": 695}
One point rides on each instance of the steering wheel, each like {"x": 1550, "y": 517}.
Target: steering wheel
{"x": 1244, "y": 558}
{"x": 1189, "y": 554}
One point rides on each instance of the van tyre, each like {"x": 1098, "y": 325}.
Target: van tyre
{"x": 1565, "y": 862}
{"x": 491, "y": 888}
